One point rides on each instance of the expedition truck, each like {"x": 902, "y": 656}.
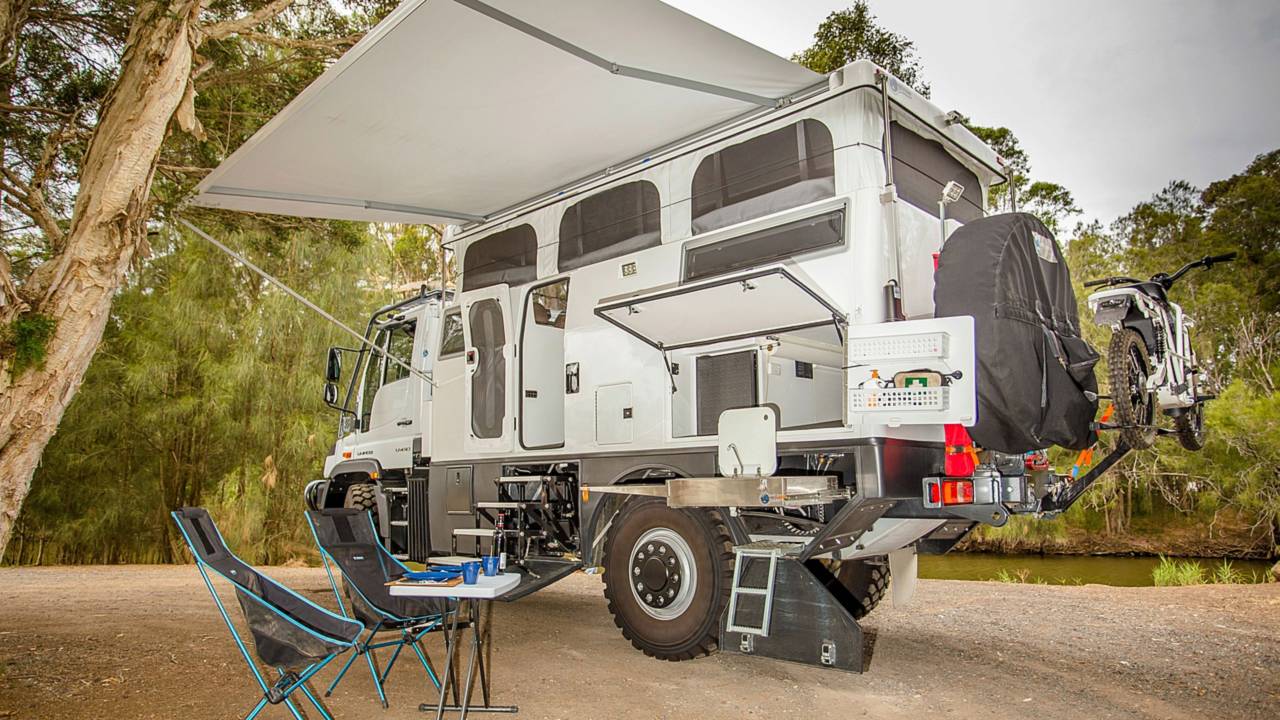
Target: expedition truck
{"x": 717, "y": 329}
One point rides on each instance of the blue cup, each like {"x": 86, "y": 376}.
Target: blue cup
{"x": 490, "y": 563}
{"x": 470, "y": 572}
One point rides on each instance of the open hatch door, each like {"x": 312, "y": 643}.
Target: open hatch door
{"x": 731, "y": 307}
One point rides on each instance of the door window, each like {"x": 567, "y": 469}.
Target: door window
{"x": 400, "y": 347}
{"x": 489, "y": 381}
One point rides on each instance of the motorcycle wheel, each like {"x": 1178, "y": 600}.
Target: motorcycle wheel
{"x": 1129, "y": 366}
{"x": 1190, "y": 427}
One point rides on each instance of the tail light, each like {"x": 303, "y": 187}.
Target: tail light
{"x": 962, "y": 457}
{"x": 941, "y": 492}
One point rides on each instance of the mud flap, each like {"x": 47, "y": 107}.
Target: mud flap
{"x": 808, "y": 625}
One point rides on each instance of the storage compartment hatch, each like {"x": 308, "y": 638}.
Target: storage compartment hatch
{"x": 761, "y": 302}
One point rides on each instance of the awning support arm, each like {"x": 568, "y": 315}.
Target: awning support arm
{"x": 297, "y": 296}
{"x": 346, "y": 202}
{"x": 624, "y": 70}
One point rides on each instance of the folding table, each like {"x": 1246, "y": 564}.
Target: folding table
{"x": 486, "y": 589}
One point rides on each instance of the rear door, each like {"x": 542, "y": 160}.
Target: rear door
{"x": 487, "y": 386}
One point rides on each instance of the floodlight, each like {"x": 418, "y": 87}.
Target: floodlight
{"x": 952, "y": 192}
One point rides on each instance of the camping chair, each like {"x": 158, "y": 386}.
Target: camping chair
{"x": 291, "y": 634}
{"x": 347, "y": 540}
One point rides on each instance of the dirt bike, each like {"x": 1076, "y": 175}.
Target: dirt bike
{"x": 1151, "y": 363}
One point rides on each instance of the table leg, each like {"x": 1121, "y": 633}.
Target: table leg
{"x": 451, "y": 650}
{"x": 475, "y": 661}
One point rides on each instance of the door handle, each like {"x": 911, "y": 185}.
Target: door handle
{"x": 404, "y": 421}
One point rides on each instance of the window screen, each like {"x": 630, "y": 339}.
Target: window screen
{"x": 609, "y": 224}
{"x": 785, "y": 168}
{"x": 764, "y": 246}
{"x": 451, "y": 337}
{"x": 510, "y": 257}
{"x": 922, "y": 167}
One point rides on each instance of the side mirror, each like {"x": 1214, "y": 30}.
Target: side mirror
{"x": 330, "y": 394}
{"x": 333, "y": 372}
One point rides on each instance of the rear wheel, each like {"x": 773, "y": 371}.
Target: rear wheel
{"x": 1190, "y": 427}
{"x": 860, "y": 585}
{"x": 1128, "y": 368}
{"x": 667, "y": 578}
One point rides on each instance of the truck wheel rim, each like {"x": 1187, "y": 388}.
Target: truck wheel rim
{"x": 662, "y": 574}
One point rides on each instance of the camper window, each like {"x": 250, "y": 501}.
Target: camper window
{"x": 618, "y": 221}
{"x": 922, "y": 167}
{"x": 509, "y": 256}
{"x": 452, "y": 341}
{"x": 786, "y": 168}
{"x": 764, "y": 246}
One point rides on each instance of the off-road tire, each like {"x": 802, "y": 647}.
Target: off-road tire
{"x": 859, "y": 585}
{"x": 363, "y": 496}
{"x": 1190, "y": 427}
{"x": 1135, "y": 408}
{"x": 695, "y": 631}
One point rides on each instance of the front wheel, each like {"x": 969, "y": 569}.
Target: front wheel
{"x": 1129, "y": 366}
{"x": 667, "y": 578}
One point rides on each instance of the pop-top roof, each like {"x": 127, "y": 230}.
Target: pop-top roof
{"x": 452, "y": 110}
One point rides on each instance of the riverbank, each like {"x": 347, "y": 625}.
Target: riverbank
{"x": 1226, "y": 536}
{"x": 146, "y": 642}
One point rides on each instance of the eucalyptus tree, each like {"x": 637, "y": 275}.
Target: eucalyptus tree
{"x": 89, "y": 95}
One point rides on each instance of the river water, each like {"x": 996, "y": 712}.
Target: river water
{"x": 1065, "y": 569}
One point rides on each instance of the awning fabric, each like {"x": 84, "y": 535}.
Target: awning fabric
{"x": 451, "y": 110}
{"x": 731, "y": 307}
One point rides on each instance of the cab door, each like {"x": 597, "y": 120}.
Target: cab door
{"x": 487, "y": 386}
{"x": 391, "y": 398}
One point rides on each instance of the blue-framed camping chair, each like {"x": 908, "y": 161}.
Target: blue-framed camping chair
{"x": 347, "y": 540}
{"x": 290, "y": 633}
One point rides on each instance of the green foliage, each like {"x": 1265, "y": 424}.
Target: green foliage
{"x": 853, "y": 34}
{"x": 24, "y": 341}
{"x": 206, "y": 391}
{"x": 1171, "y": 573}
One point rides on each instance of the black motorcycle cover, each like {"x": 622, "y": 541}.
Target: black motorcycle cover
{"x": 1036, "y": 386}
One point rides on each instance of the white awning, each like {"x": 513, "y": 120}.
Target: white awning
{"x": 452, "y": 110}
{"x": 731, "y": 307}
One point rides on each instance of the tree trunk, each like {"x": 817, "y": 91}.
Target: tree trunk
{"x": 107, "y": 230}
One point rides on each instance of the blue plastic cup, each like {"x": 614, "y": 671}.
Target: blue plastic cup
{"x": 490, "y": 563}
{"x": 470, "y": 572}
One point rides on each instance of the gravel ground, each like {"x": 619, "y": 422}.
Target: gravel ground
{"x": 145, "y": 642}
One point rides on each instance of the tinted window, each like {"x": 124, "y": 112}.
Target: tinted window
{"x": 609, "y": 224}
{"x": 785, "y": 168}
{"x": 764, "y": 246}
{"x": 510, "y": 257}
{"x": 451, "y": 338}
{"x": 922, "y": 167}
{"x": 400, "y": 347}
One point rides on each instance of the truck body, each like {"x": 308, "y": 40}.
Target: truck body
{"x": 711, "y": 371}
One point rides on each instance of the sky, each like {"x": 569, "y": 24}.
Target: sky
{"x": 1112, "y": 99}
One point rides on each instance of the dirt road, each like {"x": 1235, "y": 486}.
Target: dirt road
{"x": 145, "y": 642}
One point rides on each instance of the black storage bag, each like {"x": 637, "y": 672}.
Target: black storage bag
{"x": 1036, "y": 386}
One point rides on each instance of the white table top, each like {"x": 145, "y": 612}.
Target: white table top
{"x": 486, "y": 588}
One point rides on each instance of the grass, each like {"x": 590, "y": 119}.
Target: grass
{"x": 1171, "y": 573}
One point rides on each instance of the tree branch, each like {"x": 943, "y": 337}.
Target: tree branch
{"x": 244, "y": 23}
{"x": 328, "y": 45}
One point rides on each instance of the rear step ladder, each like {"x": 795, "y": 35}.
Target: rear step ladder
{"x": 763, "y": 550}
